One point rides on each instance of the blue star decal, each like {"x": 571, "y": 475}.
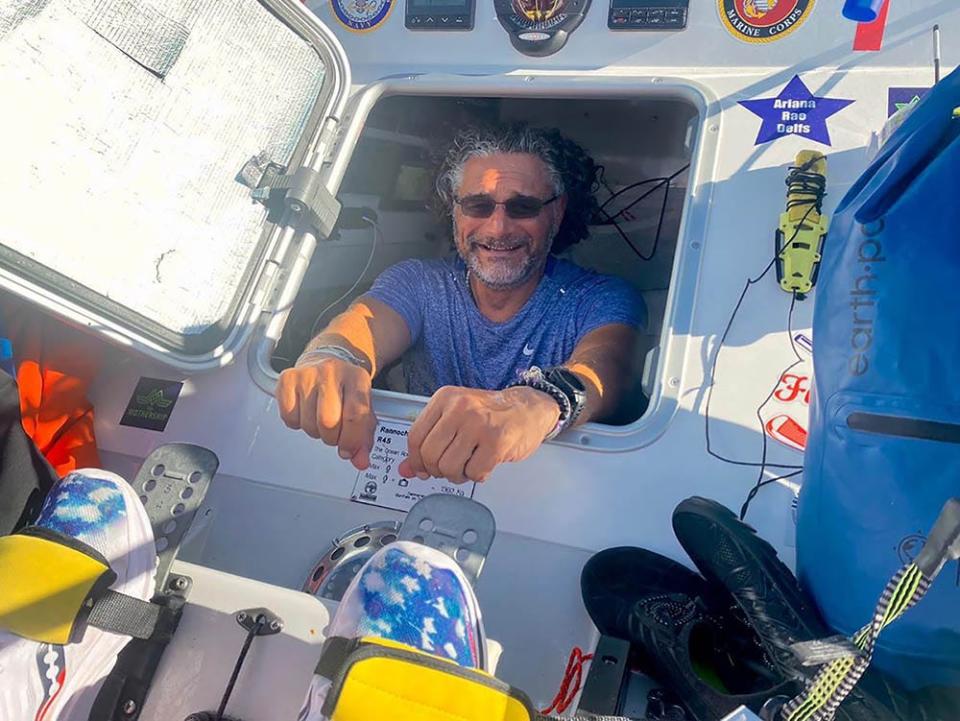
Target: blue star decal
{"x": 795, "y": 111}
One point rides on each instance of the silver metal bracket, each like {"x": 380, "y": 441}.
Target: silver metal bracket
{"x": 178, "y": 585}
{"x": 302, "y": 193}
{"x": 269, "y": 622}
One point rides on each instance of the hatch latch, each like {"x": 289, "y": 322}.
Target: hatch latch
{"x": 302, "y": 193}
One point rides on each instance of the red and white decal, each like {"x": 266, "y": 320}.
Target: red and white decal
{"x": 869, "y": 36}
{"x": 785, "y": 429}
{"x": 793, "y": 388}
{"x": 785, "y": 414}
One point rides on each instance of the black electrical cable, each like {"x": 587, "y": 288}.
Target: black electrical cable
{"x": 763, "y": 465}
{"x": 601, "y": 180}
{"x": 315, "y": 328}
{"x": 656, "y": 237}
{"x": 659, "y": 181}
{"x": 617, "y": 194}
{"x": 640, "y": 183}
{"x": 799, "y": 180}
{"x": 612, "y": 219}
{"x": 258, "y": 624}
{"x": 756, "y": 489}
{"x": 626, "y": 240}
{"x": 663, "y": 212}
{"x": 713, "y": 379}
{"x": 763, "y": 453}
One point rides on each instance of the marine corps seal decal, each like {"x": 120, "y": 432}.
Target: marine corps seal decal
{"x": 361, "y": 16}
{"x": 763, "y": 21}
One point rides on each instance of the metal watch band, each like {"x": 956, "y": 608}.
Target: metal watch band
{"x": 571, "y": 385}
{"x": 534, "y": 378}
{"x": 309, "y": 357}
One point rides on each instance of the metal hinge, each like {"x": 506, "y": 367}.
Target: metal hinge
{"x": 302, "y": 193}
{"x": 329, "y": 138}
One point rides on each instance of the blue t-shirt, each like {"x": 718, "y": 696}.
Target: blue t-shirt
{"x": 453, "y": 343}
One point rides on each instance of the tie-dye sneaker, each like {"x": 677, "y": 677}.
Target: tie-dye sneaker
{"x": 412, "y": 594}
{"x": 49, "y": 682}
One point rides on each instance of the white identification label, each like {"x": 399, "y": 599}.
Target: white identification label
{"x": 382, "y": 485}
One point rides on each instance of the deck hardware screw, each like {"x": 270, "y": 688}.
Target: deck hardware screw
{"x": 241, "y": 617}
{"x": 129, "y": 707}
{"x": 180, "y": 583}
{"x": 275, "y": 625}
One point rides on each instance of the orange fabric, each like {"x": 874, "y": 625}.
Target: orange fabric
{"x": 53, "y": 374}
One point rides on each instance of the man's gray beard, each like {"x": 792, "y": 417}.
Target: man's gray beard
{"x": 503, "y": 276}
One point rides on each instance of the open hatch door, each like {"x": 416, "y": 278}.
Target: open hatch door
{"x": 128, "y": 186}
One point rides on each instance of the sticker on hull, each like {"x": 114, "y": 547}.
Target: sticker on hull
{"x": 763, "y": 21}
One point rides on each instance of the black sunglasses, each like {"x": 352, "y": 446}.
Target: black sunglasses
{"x": 517, "y": 207}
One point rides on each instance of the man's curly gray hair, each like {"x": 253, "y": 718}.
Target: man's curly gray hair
{"x": 570, "y": 169}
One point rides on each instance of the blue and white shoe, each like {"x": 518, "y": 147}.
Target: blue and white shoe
{"x": 412, "y": 594}
{"x": 49, "y": 682}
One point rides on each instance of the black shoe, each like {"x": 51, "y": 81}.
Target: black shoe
{"x": 710, "y": 661}
{"x": 730, "y": 555}
{"x": 614, "y": 579}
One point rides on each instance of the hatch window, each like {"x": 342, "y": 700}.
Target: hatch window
{"x": 643, "y": 145}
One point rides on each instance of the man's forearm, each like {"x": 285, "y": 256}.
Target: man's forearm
{"x": 370, "y": 330}
{"x": 328, "y": 337}
{"x": 603, "y": 397}
{"x": 602, "y": 361}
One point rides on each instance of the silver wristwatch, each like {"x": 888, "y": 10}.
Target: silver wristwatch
{"x": 536, "y": 379}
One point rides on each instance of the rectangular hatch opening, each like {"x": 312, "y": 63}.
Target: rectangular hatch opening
{"x": 640, "y": 142}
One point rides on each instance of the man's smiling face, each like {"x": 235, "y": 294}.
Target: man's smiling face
{"x": 504, "y": 252}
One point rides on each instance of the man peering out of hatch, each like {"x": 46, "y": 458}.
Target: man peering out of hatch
{"x": 512, "y": 344}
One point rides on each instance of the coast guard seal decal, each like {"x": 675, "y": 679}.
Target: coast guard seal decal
{"x": 361, "y": 16}
{"x": 763, "y": 21}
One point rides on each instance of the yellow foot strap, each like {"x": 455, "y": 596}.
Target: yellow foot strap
{"x": 378, "y": 679}
{"x": 49, "y": 583}
{"x": 54, "y": 586}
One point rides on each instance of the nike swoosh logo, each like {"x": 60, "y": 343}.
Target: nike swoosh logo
{"x": 527, "y": 350}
